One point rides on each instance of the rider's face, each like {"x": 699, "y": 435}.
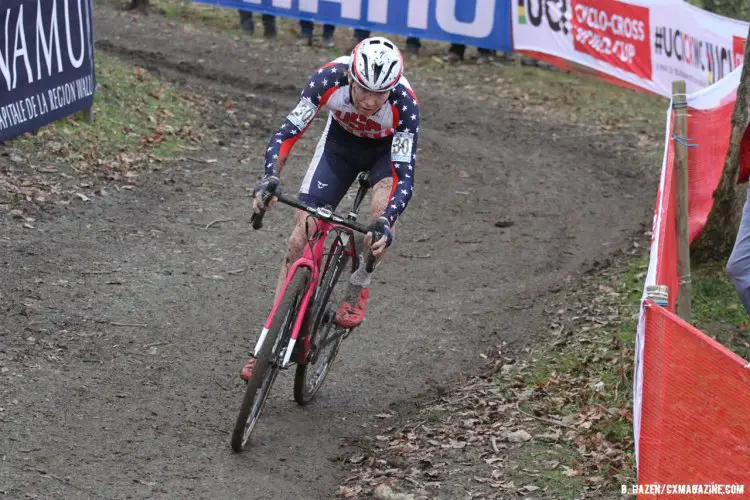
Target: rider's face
{"x": 366, "y": 101}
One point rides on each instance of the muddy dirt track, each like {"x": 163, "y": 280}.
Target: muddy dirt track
{"x": 125, "y": 321}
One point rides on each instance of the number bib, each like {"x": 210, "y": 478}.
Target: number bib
{"x": 303, "y": 114}
{"x": 401, "y": 146}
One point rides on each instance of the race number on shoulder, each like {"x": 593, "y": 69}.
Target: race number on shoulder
{"x": 303, "y": 114}
{"x": 401, "y": 146}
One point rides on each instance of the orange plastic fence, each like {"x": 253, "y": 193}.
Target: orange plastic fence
{"x": 695, "y": 427}
{"x": 695, "y": 405}
{"x": 708, "y": 140}
{"x": 709, "y": 131}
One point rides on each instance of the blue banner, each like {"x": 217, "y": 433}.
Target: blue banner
{"x": 46, "y": 62}
{"x": 479, "y": 23}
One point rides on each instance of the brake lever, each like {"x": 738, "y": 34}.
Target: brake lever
{"x": 257, "y": 218}
{"x": 370, "y": 264}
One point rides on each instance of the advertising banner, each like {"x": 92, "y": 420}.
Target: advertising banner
{"x": 46, "y": 62}
{"x": 479, "y": 23}
{"x": 647, "y": 44}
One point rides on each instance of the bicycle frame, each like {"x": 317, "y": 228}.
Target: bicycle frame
{"x": 325, "y": 222}
{"x": 311, "y": 259}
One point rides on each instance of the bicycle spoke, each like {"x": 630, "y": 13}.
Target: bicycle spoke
{"x": 341, "y": 333}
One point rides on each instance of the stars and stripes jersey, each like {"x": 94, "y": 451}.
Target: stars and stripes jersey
{"x": 397, "y": 121}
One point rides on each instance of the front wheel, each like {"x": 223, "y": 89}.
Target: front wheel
{"x": 267, "y": 362}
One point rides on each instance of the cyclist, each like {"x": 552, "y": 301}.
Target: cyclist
{"x": 373, "y": 126}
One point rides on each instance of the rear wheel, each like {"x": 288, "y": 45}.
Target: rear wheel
{"x": 268, "y": 359}
{"x": 327, "y": 337}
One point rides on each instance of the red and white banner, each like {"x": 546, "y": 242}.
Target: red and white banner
{"x": 644, "y": 43}
{"x": 613, "y": 32}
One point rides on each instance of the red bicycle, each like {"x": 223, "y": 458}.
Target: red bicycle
{"x": 300, "y": 328}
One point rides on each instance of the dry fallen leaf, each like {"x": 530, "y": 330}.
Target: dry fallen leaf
{"x": 384, "y": 492}
{"x": 550, "y": 436}
{"x": 518, "y": 436}
{"x": 346, "y": 492}
{"x": 549, "y": 464}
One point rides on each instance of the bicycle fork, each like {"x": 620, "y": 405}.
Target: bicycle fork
{"x": 298, "y": 320}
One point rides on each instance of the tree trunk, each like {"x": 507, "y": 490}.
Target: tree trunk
{"x": 717, "y": 239}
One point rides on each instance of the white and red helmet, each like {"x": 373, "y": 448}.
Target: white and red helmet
{"x": 376, "y": 64}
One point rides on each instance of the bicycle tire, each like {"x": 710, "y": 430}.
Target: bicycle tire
{"x": 303, "y": 392}
{"x": 265, "y": 372}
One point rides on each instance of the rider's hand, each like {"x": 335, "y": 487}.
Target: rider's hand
{"x": 379, "y": 247}
{"x": 258, "y": 192}
{"x": 258, "y": 206}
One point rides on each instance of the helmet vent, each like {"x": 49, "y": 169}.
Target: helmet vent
{"x": 367, "y": 66}
{"x": 390, "y": 70}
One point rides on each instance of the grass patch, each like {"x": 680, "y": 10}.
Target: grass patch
{"x": 714, "y": 297}
{"x": 133, "y": 111}
{"x": 138, "y": 119}
{"x": 717, "y": 309}
{"x": 540, "y": 466}
{"x": 222, "y": 19}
